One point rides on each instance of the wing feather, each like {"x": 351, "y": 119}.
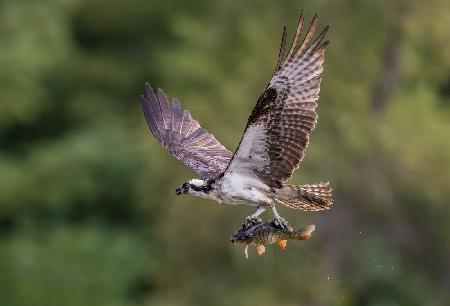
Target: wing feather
{"x": 163, "y": 104}
{"x": 309, "y": 35}
{"x": 298, "y": 33}
{"x": 278, "y": 129}
{"x": 177, "y": 115}
{"x": 282, "y": 50}
{"x": 182, "y": 136}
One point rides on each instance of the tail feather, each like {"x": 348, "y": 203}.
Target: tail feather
{"x": 313, "y": 197}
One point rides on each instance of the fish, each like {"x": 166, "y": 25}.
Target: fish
{"x": 270, "y": 232}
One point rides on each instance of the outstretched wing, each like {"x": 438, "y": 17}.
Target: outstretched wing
{"x": 176, "y": 131}
{"x": 277, "y": 131}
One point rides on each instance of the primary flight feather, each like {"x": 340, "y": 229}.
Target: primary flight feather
{"x": 274, "y": 140}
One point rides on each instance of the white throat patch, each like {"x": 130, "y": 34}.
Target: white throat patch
{"x": 197, "y": 182}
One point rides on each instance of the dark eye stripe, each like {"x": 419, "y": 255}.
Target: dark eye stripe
{"x": 205, "y": 188}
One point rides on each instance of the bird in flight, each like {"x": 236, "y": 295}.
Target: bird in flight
{"x": 273, "y": 143}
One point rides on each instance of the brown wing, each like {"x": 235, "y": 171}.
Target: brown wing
{"x": 279, "y": 126}
{"x": 176, "y": 131}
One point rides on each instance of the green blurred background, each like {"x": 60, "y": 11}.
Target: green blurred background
{"x": 88, "y": 211}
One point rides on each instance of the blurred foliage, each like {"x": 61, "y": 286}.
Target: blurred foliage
{"x": 88, "y": 214}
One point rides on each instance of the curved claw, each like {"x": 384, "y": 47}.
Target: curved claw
{"x": 253, "y": 221}
{"x": 281, "y": 223}
{"x": 278, "y": 221}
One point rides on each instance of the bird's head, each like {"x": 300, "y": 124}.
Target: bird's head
{"x": 192, "y": 186}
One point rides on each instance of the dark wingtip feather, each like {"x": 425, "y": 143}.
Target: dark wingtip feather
{"x": 164, "y": 108}
{"x": 298, "y": 33}
{"x": 316, "y": 16}
{"x": 150, "y": 117}
{"x": 309, "y": 34}
{"x": 319, "y": 38}
{"x": 177, "y": 117}
{"x": 282, "y": 49}
{"x": 162, "y": 97}
{"x": 323, "y": 47}
{"x": 148, "y": 89}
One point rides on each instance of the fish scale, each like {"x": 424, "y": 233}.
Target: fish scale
{"x": 261, "y": 234}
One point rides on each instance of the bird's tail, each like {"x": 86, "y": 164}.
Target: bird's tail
{"x": 312, "y": 197}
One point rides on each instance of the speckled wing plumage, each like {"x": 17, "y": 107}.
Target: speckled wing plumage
{"x": 279, "y": 126}
{"x": 176, "y": 131}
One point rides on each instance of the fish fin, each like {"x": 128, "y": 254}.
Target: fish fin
{"x": 282, "y": 243}
{"x": 260, "y": 249}
{"x": 305, "y": 232}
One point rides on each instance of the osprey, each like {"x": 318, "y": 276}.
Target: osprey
{"x": 274, "y": 140}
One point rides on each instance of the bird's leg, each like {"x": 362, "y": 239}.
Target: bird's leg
{"x": 254, "y": 219}
{"x": 279, "y": 221}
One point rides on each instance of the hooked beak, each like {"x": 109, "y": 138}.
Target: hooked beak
{"x": 181, "y": 190}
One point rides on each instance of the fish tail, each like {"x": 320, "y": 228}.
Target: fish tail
{"x": 313, "y": 197}
{"x": 304, "y": 233}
